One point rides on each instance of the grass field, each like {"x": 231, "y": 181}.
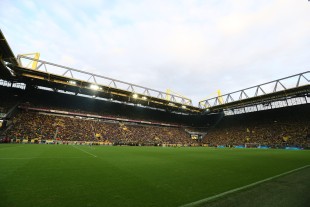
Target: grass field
{"x": 65, "y": 175}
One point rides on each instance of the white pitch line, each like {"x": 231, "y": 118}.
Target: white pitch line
{"x": 195, "y": 203}
{"x": 84, "y": 151}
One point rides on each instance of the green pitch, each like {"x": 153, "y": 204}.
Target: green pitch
{"x": 65, "y": 175}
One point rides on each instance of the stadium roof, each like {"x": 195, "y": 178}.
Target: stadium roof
{"x": 281, "y": 89}
{"x": 86, "y": 84}
{"x": 81, "y": 82}
{"x": 6, "y": 53}
{"x": 34, "y": 78}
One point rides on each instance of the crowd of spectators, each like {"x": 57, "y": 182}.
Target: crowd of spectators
{"x": 34, "y": 125}
{"x": 27, "y": 125}
{"x": 274, "y": 128}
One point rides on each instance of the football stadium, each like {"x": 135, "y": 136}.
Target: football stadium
{"x": 70, "y": 137}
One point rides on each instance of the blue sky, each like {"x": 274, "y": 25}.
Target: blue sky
{"x": 193, "y": 47}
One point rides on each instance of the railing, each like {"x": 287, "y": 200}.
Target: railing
{"x": 99, "y": 80}
{"x": 282, "y": 84}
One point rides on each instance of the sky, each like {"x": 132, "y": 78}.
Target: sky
{"x": 193, "y": 47}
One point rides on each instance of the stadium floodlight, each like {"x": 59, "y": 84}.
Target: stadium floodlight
{"x": 144, "y": 98}
{"x": 72, "y": 82}
{"x": 135, "y": 95}
{"x": 94, "y": 87}
{"x": 171, "y": 104}
{"x": 183, "y": 107}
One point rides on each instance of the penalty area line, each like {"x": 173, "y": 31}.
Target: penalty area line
{"x": 84, "y": 151}
{"x": 195, "y": 203}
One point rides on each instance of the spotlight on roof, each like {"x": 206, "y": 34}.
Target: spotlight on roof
{"x": 183, "y": 107}
{"x": 171, "y": 104}
{"x": 72, "y": 82}
{"x": 94, "y": 87}
{"x": 135, "y": 95}
{"x": 144, "y": 98}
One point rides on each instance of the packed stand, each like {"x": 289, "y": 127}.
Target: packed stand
{"x": 277, "y": 129}
{"x": 34, "y": 125}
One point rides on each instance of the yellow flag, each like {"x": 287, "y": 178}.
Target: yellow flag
{"x": 285, "y": 138}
